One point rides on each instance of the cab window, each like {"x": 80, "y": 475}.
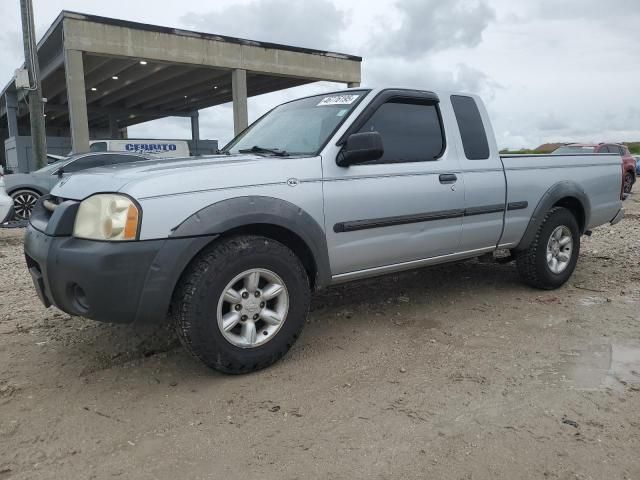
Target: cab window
{"x": 411, "y": 132}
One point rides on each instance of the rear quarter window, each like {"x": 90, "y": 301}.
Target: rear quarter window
{"x": 474, "y": 137}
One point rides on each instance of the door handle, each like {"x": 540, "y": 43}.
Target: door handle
{"x": 448, "y": 178}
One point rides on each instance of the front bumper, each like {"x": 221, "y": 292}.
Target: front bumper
{"x": 99, "y": 280}
{"x": 7, "y": 216}
{"x": 116, "y": 282}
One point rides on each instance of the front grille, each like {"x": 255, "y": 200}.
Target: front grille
{"x": 49, "y": 204}
{"x": 64, "y": 210}
{"x": 43, "y": 210}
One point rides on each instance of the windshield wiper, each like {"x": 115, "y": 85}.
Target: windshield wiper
{"x": 256, "y": 149}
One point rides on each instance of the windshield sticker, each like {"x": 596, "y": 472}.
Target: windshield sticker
{"x": 341, "y": 112}
{"x": 338, "y": 100}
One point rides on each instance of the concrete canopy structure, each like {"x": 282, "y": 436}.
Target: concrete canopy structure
{"x": 103, "y": 74}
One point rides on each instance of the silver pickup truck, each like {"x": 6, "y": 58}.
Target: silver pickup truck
{"x": 321, "y": 190}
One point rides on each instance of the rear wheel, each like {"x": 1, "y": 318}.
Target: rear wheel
{"x": 628, "y": 182}
{"x": 552, "y": 256}
{"x": 242, "y": 304}
{"x": 23, "y": 203}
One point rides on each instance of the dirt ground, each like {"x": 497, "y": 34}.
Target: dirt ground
{"x": 454, "y": 372}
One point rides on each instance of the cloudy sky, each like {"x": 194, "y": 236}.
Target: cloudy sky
{"x": 548, "y": 70}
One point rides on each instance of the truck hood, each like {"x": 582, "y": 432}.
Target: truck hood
{"x": 157, "y": 178}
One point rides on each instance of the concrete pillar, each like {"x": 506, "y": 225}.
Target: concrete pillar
{"x": 114, "y": 131}
{"x": 76, "y": 100}
{"x": 239, "y": 94}
{"x": 353, "y": 84}
{"x": 195, "y": 132}
{"x": 11, "y": 100}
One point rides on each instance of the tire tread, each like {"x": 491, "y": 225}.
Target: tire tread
{"x": 528, "y": 262}
{"x": 196, "y": 282}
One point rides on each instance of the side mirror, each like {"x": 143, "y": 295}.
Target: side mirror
{"x": 360, "y": 148}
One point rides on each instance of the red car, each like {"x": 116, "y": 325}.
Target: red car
{"x": 628, "y": 161}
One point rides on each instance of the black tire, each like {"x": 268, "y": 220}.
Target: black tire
{"x": 195, "y": 302}
{"x": 23, "y": 202}
{"x": 532, "y": 263}
{"x": 628, "y": 182}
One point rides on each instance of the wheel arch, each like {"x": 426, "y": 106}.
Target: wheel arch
{"x": 271, "y": 217}
{"x": 576, "y": 207}
{"x": 21, "y": 188}
{"x": 29, "y": 188}
{"x": 565, "y": 194}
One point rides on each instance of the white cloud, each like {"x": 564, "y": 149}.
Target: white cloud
{"x": 433, "y": 25}
{"x": 314, "y": 24}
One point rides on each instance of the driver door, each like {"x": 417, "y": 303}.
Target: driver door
{"x": 407, "y": 205}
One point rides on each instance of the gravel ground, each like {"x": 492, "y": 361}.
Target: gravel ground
{"x": 454, "y": 372}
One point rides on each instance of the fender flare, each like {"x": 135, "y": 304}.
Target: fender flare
{"x": 233, "y": 213}
{"x": 557, "y": 192}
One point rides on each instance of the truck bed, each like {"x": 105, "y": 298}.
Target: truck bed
{"x": 598, "y": 175}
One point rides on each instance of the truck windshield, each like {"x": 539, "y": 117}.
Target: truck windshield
{"x": 573, "y": 149}
{"x": 301, "y": 127}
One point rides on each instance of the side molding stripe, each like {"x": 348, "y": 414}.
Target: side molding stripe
{"x": 355, "y": 225}
{"x": 517, "y": 205}
{"x": 498, "y": 208}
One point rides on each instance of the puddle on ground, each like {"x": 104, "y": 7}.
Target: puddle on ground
{"x": 596, "y": 367}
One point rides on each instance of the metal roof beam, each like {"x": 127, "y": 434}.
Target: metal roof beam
{"x": 91, "y": 65}
{"x": 93, "y": 62}
{"x": 131, "y": 87}
{"x": 179, "y": 93}
{"x": 128, "y": 75}
{"x": 109, "y": 69}
{"x": 100, "y": 75}
{"x": 187, "y": 104}
{"x": 177, "y": 87}
{"x": 225, "y": 95}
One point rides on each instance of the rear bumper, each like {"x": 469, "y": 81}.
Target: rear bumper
{"x": 619, "y": 216}
{"x": 116, "y": 282}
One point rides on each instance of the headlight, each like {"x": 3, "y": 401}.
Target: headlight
{"x": 107, "y": 216}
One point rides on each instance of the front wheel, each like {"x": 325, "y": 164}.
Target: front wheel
{"x": 552, "y": 256}
{"x": 242, "y": 303}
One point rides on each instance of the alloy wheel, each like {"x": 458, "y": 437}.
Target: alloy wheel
{"x": 559, "y": 249}
{"x": 252, "y": 308}
{"x": 23, "y": 203}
